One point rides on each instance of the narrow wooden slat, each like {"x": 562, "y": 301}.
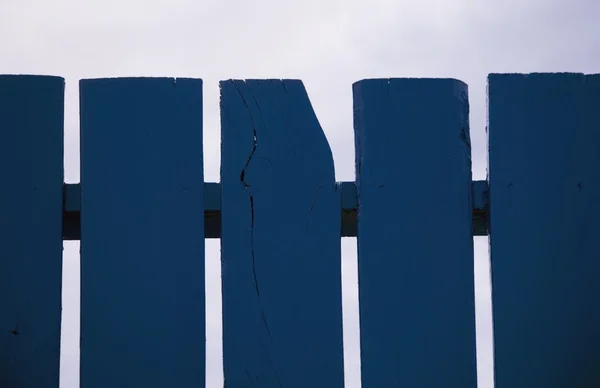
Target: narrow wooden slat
{"x": 31, "y": 168}
{"x": 544, "y": 141}
{"x": 415, "y": 248}
{"x": 280, "y": 242}
{"x": 142, "y": 237}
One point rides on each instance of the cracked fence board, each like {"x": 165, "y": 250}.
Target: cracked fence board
{"x": 281, "y": 265}
{"x": 31, "y": 167}
{"x": 544, "y": 154}
{"x": 142, "y": 237}
{"x": 415, "y": 248}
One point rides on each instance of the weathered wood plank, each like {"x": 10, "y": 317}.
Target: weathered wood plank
{"x": 280, "y": 242}
{"x": 31, "y": 167}
{"x": 415, "y": 245}
{"x": 142, "y": 248}
{"x": 544, "y": 141}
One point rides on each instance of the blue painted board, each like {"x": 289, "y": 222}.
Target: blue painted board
{"x": 142, "y": 236}
{"x": 544, "y": 182}
{"x": 280, "y": 240}
{"x": 31, "y": 169}
{"x": 415, "y": 247}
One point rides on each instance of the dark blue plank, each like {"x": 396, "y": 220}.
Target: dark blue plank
{"x": 31, "y": 167}
{"x": 415, "y": 248}
{"x": 142, "y": 237}
{"x": 280, "y": 242}
{"x": 544, "y": 136}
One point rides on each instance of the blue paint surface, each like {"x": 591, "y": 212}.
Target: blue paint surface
{"x": 31, "y": 168}
{"x": 415, "y": 248}
{"x": 142, "y": 237}
{"x": 280, "y": 241}
{"x": 144, "y": 208}
{"x": 544, "y": 136}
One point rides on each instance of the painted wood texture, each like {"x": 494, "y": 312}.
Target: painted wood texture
{"x": 142, "y": 237}
{"x": 280, "y": 241}
{"x": 31, "y": 168}
{"x": 544, "y": 153}
{"x": 415, "y": 248}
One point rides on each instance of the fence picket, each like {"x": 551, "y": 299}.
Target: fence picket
{"x": 142, "y": 233}
{"x": 544, "y": 153}
{"x": 280, "y": 240}
{"x": 415, "y": 244}
{"x": 31, "y": 167}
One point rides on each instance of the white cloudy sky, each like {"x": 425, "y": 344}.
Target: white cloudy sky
{"x": 329, "y": 44}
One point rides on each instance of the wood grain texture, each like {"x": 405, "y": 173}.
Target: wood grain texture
{"x": 31, "y": 168}
{"x": 142, "y": 236}
{"x": 281, "y": 264}
{"x": 415, "y": 248}
{"x": 544, "y": 153}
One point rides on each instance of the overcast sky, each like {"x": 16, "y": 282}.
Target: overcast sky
{"x": 329, "y": 44}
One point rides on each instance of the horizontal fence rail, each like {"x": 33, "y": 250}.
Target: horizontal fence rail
{"x": 212, "y": 210}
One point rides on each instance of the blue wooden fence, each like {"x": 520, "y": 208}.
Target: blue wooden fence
{"x": 143, "y": 211}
